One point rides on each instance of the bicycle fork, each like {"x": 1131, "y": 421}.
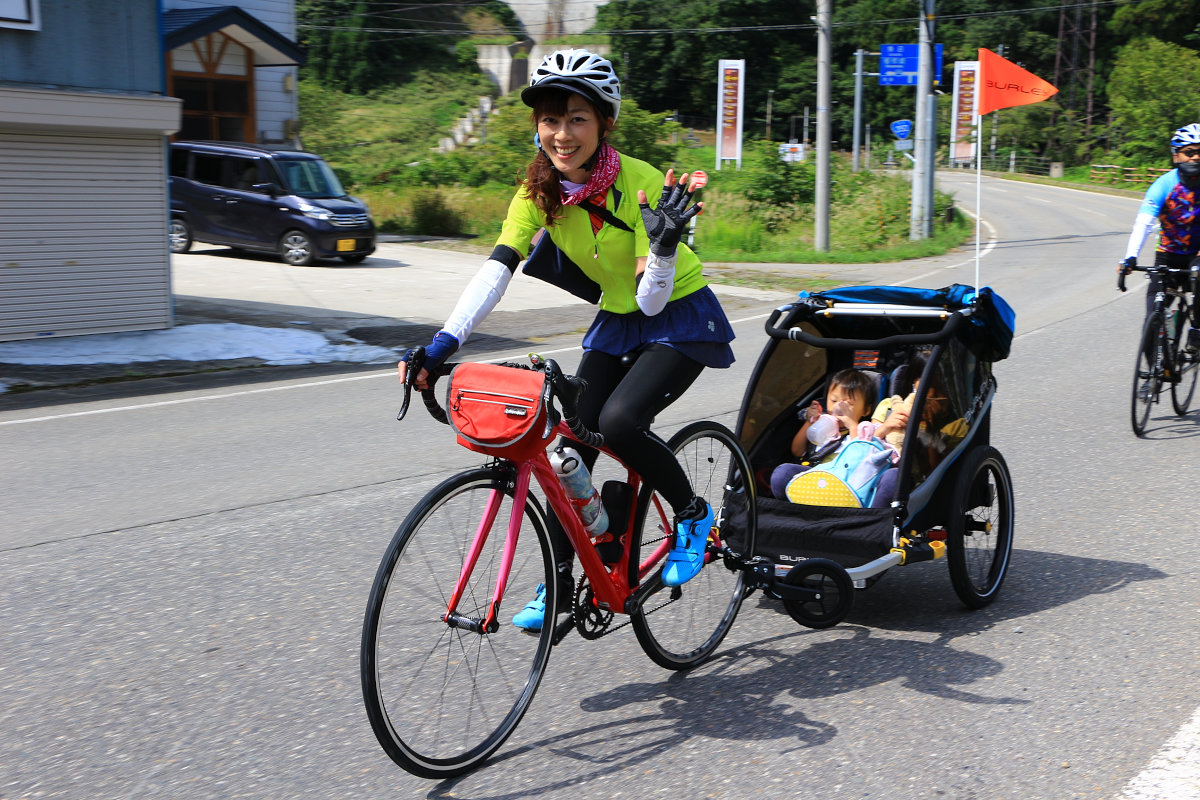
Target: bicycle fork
{"x": 490, "y": 624}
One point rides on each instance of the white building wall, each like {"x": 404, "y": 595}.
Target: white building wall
{"x": 545, "y": 18}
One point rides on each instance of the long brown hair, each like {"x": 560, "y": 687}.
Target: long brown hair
{"x": 541, "y": 178}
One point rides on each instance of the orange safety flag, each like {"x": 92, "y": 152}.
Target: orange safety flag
{"x": 1004, "y": 84}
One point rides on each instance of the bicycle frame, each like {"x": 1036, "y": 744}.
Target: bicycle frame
{"x": 611, "y": 587}
{"x": 1162, "y": 304}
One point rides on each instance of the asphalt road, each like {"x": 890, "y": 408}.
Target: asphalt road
{"x": 183, "y": 574}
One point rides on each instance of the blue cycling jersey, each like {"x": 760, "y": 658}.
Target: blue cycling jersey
{"x": 1177, "y": 209}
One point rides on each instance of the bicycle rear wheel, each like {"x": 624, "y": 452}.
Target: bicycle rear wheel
{"x": 679, "y": 627}
{"x": 441, "y": 699}
{"x": 1184, "y": 365}
{"x": 980, "y": 538}
{"x": 1147, "y": 373}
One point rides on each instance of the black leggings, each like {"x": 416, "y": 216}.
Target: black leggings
{"x": 621, "y": 402}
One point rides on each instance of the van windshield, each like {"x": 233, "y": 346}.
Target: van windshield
{"x": 309, "y": 178}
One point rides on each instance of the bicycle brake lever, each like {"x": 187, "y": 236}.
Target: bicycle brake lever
{"x": 416, "y": 361}
{"x": 553, "y": 373}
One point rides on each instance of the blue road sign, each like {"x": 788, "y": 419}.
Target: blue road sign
{"x": 898, "y": 64}
{"x": 901, "y": 128}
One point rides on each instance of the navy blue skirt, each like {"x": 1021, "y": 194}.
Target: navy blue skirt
{"x": 694, "y": 325}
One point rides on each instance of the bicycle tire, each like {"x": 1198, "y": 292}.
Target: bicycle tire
{"x": 980, "y": 536}
{"x": 1147, "y": 374}
{"x": 1185, "y": 365}
{"x": 680, "y": 627}
{"x": 442, "y": 699}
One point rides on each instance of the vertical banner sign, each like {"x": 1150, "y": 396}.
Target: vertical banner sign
{"x": 730, "y": 92}
{"x": 962, "y": 120}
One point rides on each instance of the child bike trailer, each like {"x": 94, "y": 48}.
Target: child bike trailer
{"x": 930, "y": 351}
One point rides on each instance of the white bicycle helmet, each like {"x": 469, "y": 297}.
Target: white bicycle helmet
{"x": 1188, "y": 134}
{"x": 580, "y": 71}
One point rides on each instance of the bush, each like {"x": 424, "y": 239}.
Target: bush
{"x": 430, "y": 215}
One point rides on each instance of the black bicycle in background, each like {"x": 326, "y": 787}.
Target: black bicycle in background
{"x": 1168, "y": 349}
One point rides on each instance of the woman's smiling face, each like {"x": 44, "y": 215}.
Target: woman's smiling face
{"x": 570, "y": 135}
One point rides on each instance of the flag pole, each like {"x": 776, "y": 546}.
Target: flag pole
{"x": 978, "y": 191}
{"x": 1002, "y": 84}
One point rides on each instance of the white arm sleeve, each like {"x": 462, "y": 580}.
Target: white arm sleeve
{"x": 478, "y": 299}
{"x": 1137, "y": 237}
{"x": 657, "y": 282}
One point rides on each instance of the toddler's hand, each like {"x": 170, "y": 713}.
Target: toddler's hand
{"x": 811, "y": 413}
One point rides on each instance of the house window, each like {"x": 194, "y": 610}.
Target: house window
{"x": 213, "y": 76}
{"x": 20, "y": 14}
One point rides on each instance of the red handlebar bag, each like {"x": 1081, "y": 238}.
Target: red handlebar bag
{"x": 499, "y": 410}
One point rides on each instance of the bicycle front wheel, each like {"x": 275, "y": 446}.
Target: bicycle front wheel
{"x": 442, "y": 698}
{"x": 1147, "y": 374}
{"x": 679, "y": 627}
{"x": 1184, "y": 364}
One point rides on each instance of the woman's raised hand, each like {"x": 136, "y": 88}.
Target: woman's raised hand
{"x": 665, "y": 224}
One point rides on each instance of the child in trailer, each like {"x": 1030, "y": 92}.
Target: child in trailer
{"x": 847, "y": 404}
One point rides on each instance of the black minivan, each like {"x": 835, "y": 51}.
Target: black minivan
{"x": 264, "y": 198}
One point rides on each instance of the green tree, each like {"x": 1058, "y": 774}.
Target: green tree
{"x": 1152, "y": 91}
{"x": 362, "y": 45}
{"x": 1171, "y": 20}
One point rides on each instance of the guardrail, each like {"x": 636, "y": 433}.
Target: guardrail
{"x": 1118, "y": 175}
{"x": 1012, "y": 162}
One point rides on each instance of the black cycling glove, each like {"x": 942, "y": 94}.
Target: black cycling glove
{"x": 665, "y": 224}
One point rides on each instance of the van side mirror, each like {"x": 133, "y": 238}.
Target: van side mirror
{"x": 266, "y": 188}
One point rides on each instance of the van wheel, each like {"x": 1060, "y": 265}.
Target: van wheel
{"x": 179, "y": 236}
{"x": 296, "y": 249}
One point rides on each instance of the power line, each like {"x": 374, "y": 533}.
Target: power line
{"x": 724, "y": 29}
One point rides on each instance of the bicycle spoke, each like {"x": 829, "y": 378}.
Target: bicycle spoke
{"x": 681, "y": 627}
{"x": 441, "y": 698}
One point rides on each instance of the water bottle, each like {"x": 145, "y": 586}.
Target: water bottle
{"x": 577, "y": 482}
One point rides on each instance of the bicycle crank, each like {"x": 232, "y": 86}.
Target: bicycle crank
{"x": 591, "y": 620}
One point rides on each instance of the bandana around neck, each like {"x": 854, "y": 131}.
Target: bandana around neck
{"x": 608, "y": 164}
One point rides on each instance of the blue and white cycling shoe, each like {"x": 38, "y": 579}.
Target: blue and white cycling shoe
{"x": 686, "y": 557}
{"x": 531, "y": 617}
{"x": 534, "y": 615}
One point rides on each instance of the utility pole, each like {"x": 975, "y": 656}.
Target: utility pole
{"x": 824, "y": 93}
{"x": 926, "y": 143}
{"x": 770, "y": 96}
{"x": 858, "y": 87}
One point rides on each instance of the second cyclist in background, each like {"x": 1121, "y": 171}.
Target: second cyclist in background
{"x": 1173, "y": 201}
{"x": 654, "y": 304}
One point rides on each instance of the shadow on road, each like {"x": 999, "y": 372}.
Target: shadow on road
{"x": 756, "y": 692}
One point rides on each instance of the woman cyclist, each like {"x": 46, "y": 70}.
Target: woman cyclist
{"x": 1174, "y": 201}
{"x": 654, "y": 303}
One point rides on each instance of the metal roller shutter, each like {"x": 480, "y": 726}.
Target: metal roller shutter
{"x": 83, "y": 219}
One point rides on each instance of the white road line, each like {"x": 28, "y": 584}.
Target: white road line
{"x": 1174, "y": 772}
{"x": 985, "y": 247}
{"x": 390, "y": 373}
{"x": 184, "y": 400}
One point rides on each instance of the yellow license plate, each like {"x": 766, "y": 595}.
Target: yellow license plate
{"x": 345, "y": 245}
